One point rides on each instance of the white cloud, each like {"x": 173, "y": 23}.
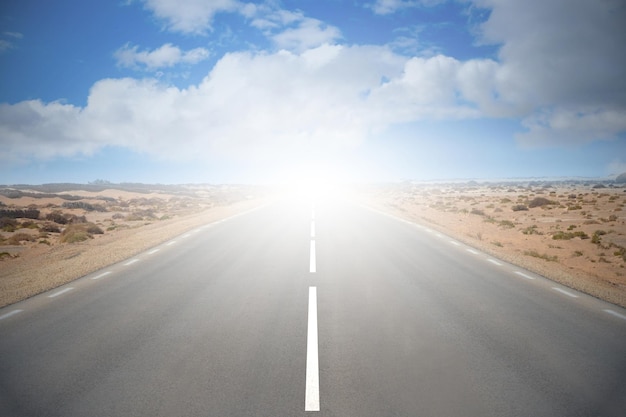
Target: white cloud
{"x": 565, "y": 56}
{"x": 616, "y": 167}
{"x": 572, "y": 126}
{"x": 316, "y": 97}
{"x": 384, "y": 7}
{"x": 190, "y": 16}
{"x": 15, "y": 35}
{"x": 165, "y": 56}
{"x": 292, "y": 30}
{"x": 308, "y": 34}
{"x": 6, "y": 44}
{"x": 279, "y": 106}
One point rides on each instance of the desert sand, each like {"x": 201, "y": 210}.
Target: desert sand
{"x": 572, "y": 232}
{"x": 77, "y": 232}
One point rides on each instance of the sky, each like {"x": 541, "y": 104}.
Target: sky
{"x": 229, "y": 91}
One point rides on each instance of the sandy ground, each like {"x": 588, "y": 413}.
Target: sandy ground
{"x": 579, "y": 239}
{"x": 130, "y": 224}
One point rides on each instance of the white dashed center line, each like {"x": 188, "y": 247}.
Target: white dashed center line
{"x": 472, "y": 251}
{"x": 312, "y": 389}
{"x": 455, "y": 243}
{"x": 312, "y": 228}
{"x": 493, "y": 261}
{"x": 153, "y": 251}
{"x": 170, "y": 243}
{"x": 312, "y": 266}
{"x": 56, "y": 294}
{"x": 132, "y": 261}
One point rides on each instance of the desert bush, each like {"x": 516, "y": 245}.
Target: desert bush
{"x": 507, "y": 224}
{"x": 50, "y": 228}
{"x": 596, "y": 236}
{"x": 8, "y": 224}
{"x": 79, "y": 232}
{"x": 543, "y": 256}
{"x": 540, "y": 202}
{"x": 29, "y": 224}
{"x": 57, "y": 217}
{"x": 18, "y": 238}
{"x": 478, "y": 212}
{"x": 93, "y": 229}
{"x": 19, "y": 213}
{"x": 84, "y": 206}
{"x": 560, "y": 235}
{"x": 74, "y": 236}
{"x": 519, "y": 207}
{"x": 531, "y": 230}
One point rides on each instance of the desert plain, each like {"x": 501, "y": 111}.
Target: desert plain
{"x": 570, "y": 231}
{"x": 55, "y": 233}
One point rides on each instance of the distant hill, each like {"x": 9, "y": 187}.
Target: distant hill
{"x": 621, "y": 178}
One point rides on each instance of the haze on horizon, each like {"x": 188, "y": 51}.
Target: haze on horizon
{"x": 228, "y": 91}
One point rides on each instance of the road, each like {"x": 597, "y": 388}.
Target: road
{"x": 297, "y": 307}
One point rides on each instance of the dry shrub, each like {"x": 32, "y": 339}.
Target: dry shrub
{"x": 79, "y": 232}
{"x": 18, "y": 238}
{"x": 8, "y": 224}
{"x": 50, "y": 228}
{"x": 540, "y": 202}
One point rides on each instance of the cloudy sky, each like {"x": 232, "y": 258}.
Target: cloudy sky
{"x": 178, "y": 91}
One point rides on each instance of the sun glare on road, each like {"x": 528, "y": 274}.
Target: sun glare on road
{"x": 318, "y": 184}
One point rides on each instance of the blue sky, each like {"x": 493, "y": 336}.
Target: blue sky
{"x": 195, "y": 91}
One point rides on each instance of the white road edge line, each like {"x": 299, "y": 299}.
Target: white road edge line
{"x": 493, "y": 261}
{"x": 56, "y": 294}
{"x": 611, "y": 312}
{"x": 132, "y": 261}
{"x": 472, "y": 251}
{"x": 9, "y": 314}
{"x": 455, "y": 243}
{"x": 153, "y": 251}
{"x": 312, "y": 390}
{"x": 104, "y": 274}
{"x": 521, "y": 274}
{"x": 312, "y": 267}
{"x": 569, "y": 294}
{"x": 170, "y": 243}
{"x": 312, "y": 228}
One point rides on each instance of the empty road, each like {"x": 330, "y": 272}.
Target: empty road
{"x": 319, "y": 308}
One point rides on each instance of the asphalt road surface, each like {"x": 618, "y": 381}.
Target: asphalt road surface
{"x": 301, "y": 308}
